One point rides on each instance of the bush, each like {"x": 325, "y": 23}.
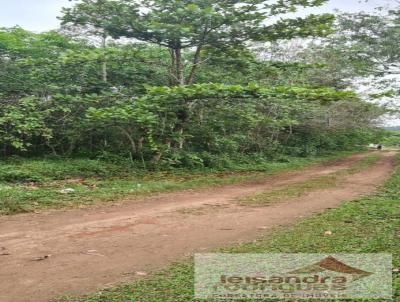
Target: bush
{"x": 33, "y": 170}
{"x": 19, "y": 176}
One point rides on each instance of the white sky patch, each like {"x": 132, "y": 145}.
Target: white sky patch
{"x": 371, "y": 85}
{"x": 34, "y": 15}
{"x": 41, "y": 15}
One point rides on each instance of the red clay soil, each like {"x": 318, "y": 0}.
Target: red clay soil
{"x": 77, "y": 251}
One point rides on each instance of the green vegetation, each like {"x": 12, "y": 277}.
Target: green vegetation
{"x": 392, "y": 139}
{"x": 132, "y": 97}
{"x": 302, "y": 188}
{"x": 367, "y": 225}
{"x": 362, "y": 164}
{"x": 178, "y": 26}
{"x": 184, "y": 89}
{"x": 192, "y": 126}
{"x": 30, "y": 185}
{"x": 293, "y": 191}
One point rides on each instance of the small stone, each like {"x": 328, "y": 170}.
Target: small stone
{"x": 67, "y": 191}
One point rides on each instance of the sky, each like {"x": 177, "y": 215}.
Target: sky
{"x": 41, "y": 15}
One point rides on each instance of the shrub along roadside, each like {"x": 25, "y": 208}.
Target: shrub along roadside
{"x": 190, "y": 126}
{"x": 367, "y": 225}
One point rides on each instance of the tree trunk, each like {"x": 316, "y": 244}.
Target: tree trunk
{"x": 128, "y": 135}
{"x": 172, "y": 77}
{"x": 196, "y": 62}
{"x": 179, "y": 67}
{"x": 104, "y": 63}
{"x": 140, "y": 144}
{"x": 157, "y": 157}
{"x": 104, "y": 71}
{"x": 176, "y": 72}
{"x": 181, "y": 139}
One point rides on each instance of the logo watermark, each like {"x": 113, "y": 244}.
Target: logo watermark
{"x": 293, "y": 276}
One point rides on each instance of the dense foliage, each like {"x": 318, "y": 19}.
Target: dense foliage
{"x": 178, "y": 25}
{"x": 189, "y": 125}
{"x": 149, "y": 97}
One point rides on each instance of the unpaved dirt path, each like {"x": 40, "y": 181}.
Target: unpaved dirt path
{"x": 103, "y": 245}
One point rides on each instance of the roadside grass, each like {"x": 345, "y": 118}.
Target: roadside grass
{"x": 32, "y": 185}
{"x": 302, "y": 188}
{"x": 20, "y": 170}
{"x": 367, "y": 225}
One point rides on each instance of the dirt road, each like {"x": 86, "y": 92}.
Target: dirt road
{"x": 80, "y": 250}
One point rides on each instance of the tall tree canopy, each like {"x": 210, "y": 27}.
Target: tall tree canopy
{"x": 196, "y": 24}
{"x": 63, "y": 94}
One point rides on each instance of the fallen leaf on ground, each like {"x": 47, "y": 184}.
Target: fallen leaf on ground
{"x": 328, "y": 233}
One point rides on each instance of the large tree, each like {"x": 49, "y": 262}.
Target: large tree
{"x": 194, "y": 25}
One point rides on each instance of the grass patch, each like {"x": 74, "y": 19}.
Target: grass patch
{"x": 302, "y": 188}
{"x": 30, "y": 185}
{"x": 362, "y": 164}
{"x": 367, "y": 225}
{"x": 19, "y": 170}
{"x": 291, "y": 191}
{"x": 26, "y": 198}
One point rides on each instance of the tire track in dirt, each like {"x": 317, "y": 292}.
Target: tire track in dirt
{"x": 102, "y": 245}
